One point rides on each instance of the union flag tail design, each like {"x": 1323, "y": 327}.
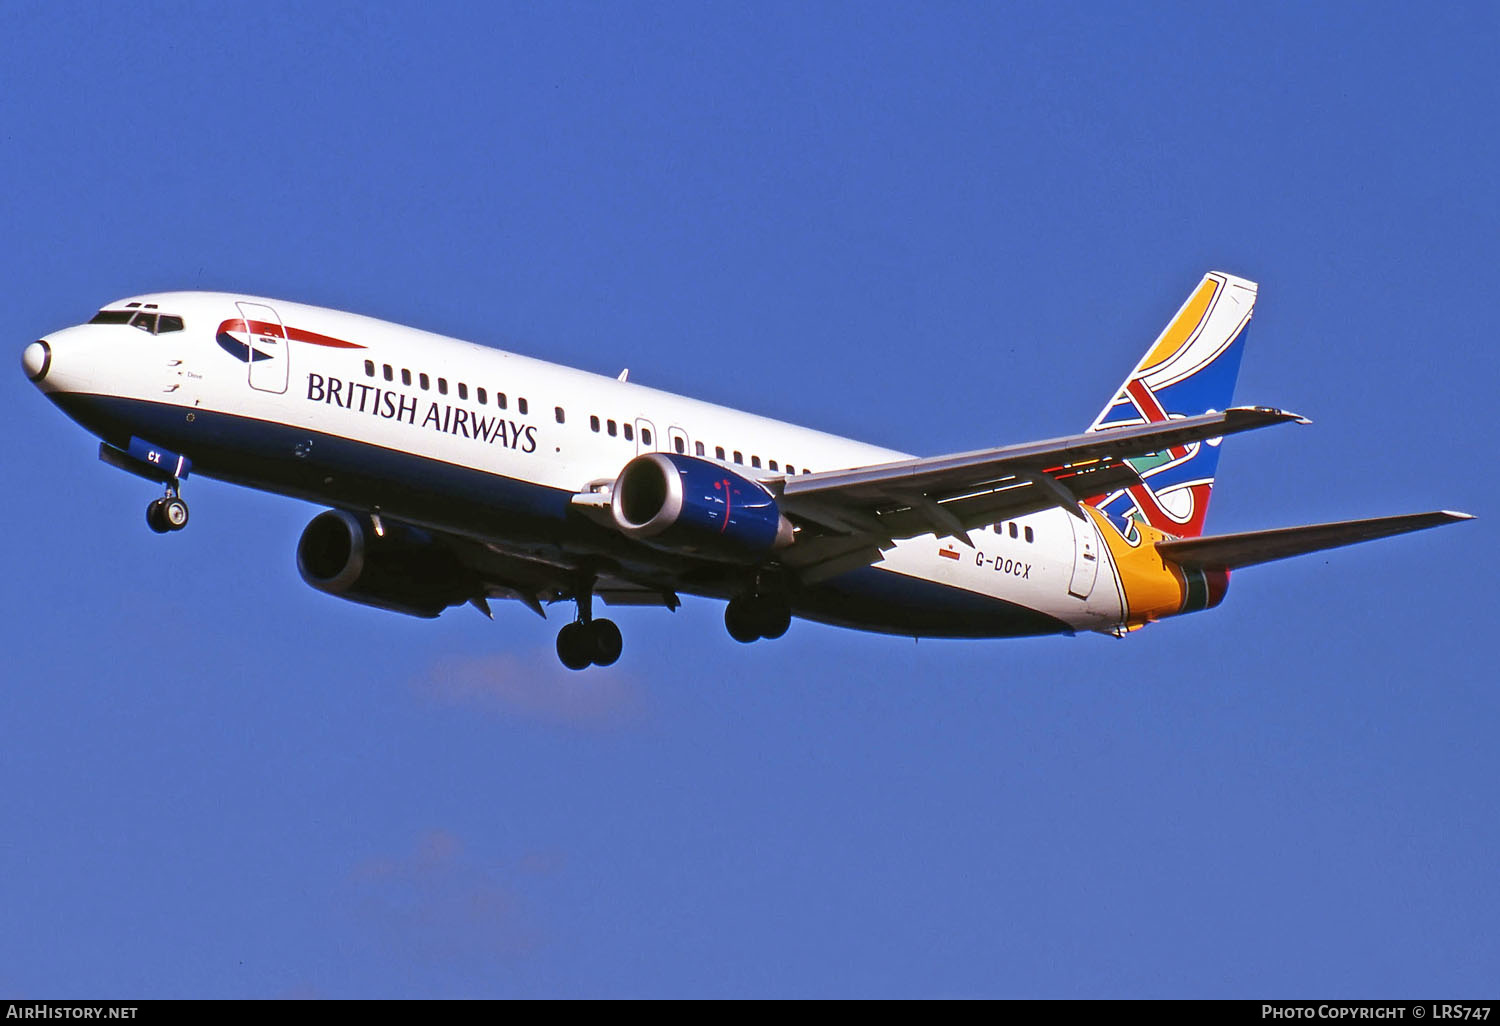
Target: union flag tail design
{"x": 1190, "y": 369}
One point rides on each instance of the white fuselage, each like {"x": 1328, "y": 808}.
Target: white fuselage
{"x": 346, "y": 378}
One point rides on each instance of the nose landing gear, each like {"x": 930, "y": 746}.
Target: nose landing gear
{"x": 155, "y": 463}
{"x": 169, "y": 513}
{"x": 586, "y": 641}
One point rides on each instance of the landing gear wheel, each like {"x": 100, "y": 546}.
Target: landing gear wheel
{"x": 605, "y": 638}
{"x": 757, "y": 616}
{"x": 739, "y": 620}
{"x": 155, "y": 519}
{"x": 174, "y": 513}
{"x": 169, "y": 513}
{"x": 775, "y": 619}
{"x": 587, "y": 640}
{"x": 574, "y": 646}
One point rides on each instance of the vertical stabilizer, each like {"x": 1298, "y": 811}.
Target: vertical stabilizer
{"x": 1189, "y": 369}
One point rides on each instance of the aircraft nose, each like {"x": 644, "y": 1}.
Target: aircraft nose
{"x": 36, "y": 360}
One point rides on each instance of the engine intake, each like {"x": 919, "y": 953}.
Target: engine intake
{"x": 683, "y": 504}
{"x": 400, "y": 568}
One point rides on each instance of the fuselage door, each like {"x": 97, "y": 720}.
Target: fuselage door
{"x": 645, "y": 436}
{"x": 266, "y": 336}
{"x": 1085, "y": 557}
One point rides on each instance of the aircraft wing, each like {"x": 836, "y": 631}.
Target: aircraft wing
{"x": 1232, "y": 551}
{"x": 850, "y": 516}
{"x": 537, "y": 580}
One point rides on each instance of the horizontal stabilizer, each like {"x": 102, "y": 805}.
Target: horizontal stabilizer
{"x": 1232, "y": 551}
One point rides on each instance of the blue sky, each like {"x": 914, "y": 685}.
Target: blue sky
{"x": 936, "y": 227}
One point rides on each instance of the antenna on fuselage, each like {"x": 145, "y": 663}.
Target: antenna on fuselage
{"x": 624, "y": 375}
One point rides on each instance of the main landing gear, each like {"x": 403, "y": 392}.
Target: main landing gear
{"x": 169, "y": 513}
{"x": 751, "y": 617}
{"x": 587, "y": 641}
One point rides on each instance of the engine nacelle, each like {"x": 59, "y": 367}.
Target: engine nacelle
{"x": 684, "y": 504}
{"x": 399, "y": 568}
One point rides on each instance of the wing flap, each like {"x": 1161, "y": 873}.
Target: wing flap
{"x": 1015, "y": 498}
{"x": 616, "y": 592}
{"x": 818, "y": 559}
{"x": 1232, "y": 551}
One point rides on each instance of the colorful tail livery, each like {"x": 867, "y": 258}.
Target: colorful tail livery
{"x": 1189, "y": 370}
{"x": 1153, "y": 531}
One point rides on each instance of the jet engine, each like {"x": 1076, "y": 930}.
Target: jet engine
{"x": 687, "y": 505}
{"x": 398, "y": 567}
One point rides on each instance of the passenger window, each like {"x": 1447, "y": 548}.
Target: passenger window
{"x": 610, "y": 425}
{"x": 738, "y": 458}
{"x": 772, "y": 465}
{"x": 463, "y": 390}
{"x": 719, "y": 452}
{"x": 168, "y": 323}
{"x": 443, "y": 385}
{"x": 1012, "y": 527}
{"x": 369, "y": 368}
{"x": 424, "y": 381}
{"x": 593, "y": 423}
{"x": 645, "y": 436}
{"x": 698, "y": 448}
{"x": 557, "y": 411}
{"x": 387, "y": 373}
{"x": 629, "y": 433}
{"x": 755, "y": 462}
{"x": 521, "y": 405}
{"x": 678, "y": 444}
{"x": 483, "y": 397}
{"x": 500, "y": 399}
{"x": 790, "y": 469}
{"x": 1029, "y": 535}
{"x": 405, "y": 376}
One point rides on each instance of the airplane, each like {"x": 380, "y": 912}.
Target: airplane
{"x": 457, "y": 473}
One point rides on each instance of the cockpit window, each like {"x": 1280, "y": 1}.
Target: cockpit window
{"x": 147, "y": 319}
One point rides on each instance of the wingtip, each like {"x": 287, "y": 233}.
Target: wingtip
{"x": 1272, "y": 412}
{"x": 1456, "y": 515}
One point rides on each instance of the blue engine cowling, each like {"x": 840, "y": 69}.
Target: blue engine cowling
{"x": 399, "y": 567}
{"x": 683, "y": 504}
